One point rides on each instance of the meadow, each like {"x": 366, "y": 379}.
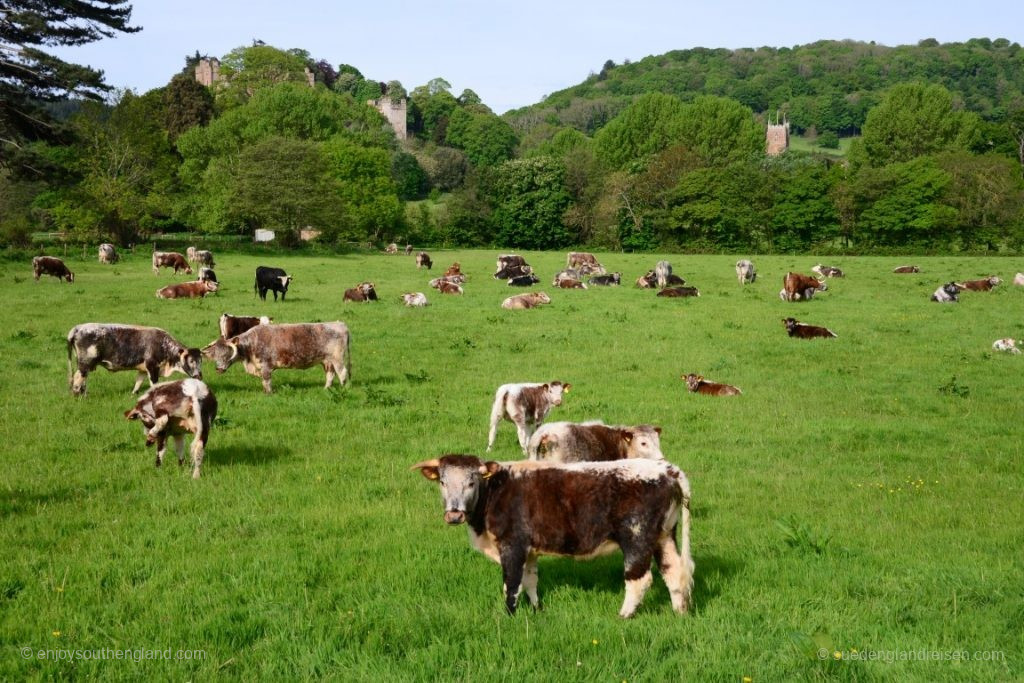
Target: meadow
{"x": 858, "y": 509}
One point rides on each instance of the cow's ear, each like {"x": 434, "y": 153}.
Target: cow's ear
{"x": 627, "y": 436}
{"x": 489, "y": 469}
{"x": 132, "y": 414}
{"x": 565, "y": 388}
{"x": 658, "y": 430}
{"x": 545, "y": 386}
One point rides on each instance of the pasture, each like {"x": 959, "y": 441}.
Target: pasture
{"x": 862, "y": 498}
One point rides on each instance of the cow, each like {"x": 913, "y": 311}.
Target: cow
{"x": 581, "y": 260}
{"x": 272, "y": 279}
{"x": 679, "y": 292}
{"x": 524, "y": 301}
{"x": 906, "y": 269}
{"x": 149, "y": 350}
{"x": 107, "y": 253}
{"x": 661, "y": 272}
{"x": 454, "y": 270}
{"x": 571, "y": 284}
{"x": 1009, "y": 345}
{"x": 523, "y": 280}
{"x": 984, "y": 285}
{"x": 415, "y": 299}
{"x": 566, "y": 274}
{"x": 827, "y": 271}
{"x": 446, "y": 286}
{"x": 593, "y": 442}
{"x": 174, "y": 409}
{"x": 796, "y": 287}
{"x": 190, "y": 254}
{"x": 204, "y": 258}
{"x": 948, "y": 293}
{"x": 408, "y": 250}
{"x": 51, "y": 265}
{"x": 647, "y": 281}
{"x": 674, "y": 279}
{"x": 207, "y": 275}
{"x": 423, "y": 260}
{"x": 525, "y": 404}
{"x": 518, "y": 511}
{"x": 234, "y": 325}
{"x": 606, "y": 280}
{"x": 699, "y": 385}
{"x": 170, "y": 259}
{"x": 364, "y": 292}
{"x": 795, "y": 328}
{"x": 391, "y": 249}
{"x": 511, "y": 265}
{"x": 187, "y": 290}
{"x": 265, "y": 348}
{"x": 1018, "y": 279}
{"x": 745, "y": 272}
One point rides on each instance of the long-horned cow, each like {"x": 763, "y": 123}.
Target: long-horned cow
{"x": 796, "y": 287}
{"x": 107, "y": 253}
{"x": 173, "y": 409}
{"x": 525, "y": 404}
{"x": 593, "y": 442}
{"x": 188, "y": 290}
{"x": 983, "y": 285}
{"x": 53, "y": 266}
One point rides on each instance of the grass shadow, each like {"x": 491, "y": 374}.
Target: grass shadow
{"x": 242, "y": 455}
{"x": 600, "y": 574}
{"x": 27, "y": 502}
{"x": 712, "y": 573}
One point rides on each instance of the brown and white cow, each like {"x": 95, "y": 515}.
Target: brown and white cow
{"x": 566, "y": 283}
{"x": 266, "y": 348}
{"x": 149, "y": 350}
{"x": 170, "y": 259}
{"x": 511, "y": 265}
{"x": 234, "y": 325}
{"x": 525, "y": 404}
{"x": 648, "y": 280}
{"x": 795, "y": 328}
{"x": 699, "y": 385}
{"x": 906, "y": 269}
{"x": 107, "y": 253}
{"x": 679, "y": 292}
{"x": 1018, "y": 279}
{"x": 984, "y": 285}
{"x": 173, "y": 409}
{"x": 408, "y": 250}
{"x": 204, "y": 258}
{"x": 606, "y": 280}
{"x": 566, "y": 274}
{"x": 391, "y": 249}
{"x": 796, "y": 287}
{"x": 745, "y": 272}
{"x": 447, "y": 287}
{"x": 580, "y": 260}
{"x": 364, "y": 292}
{"x": 519, "y": 511}
{"x": 1008, "y": 345}
{"x": 190, "y": 254}
{"x": 525, "y": 301}
{"x": 51, "y": 265}
{"x": 423, "y": 260}
{"x": 415, "y": 299}
{"x": 187, "y": 290}
{"x": 827, "y": 271}
{"x": 593, "y": 442}
{"x": 454, "y": 270}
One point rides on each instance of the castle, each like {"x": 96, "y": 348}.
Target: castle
{"x": 777, "y": 137}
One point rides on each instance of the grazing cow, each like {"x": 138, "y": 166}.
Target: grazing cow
{"x": 525, "y": 404}
{"x": 272, "y": 279}
{"x": 594, "y": 441}
{"x": 170, "y": 259}
{"x": 571, "y": 284}
{"x": 423, "y": 260}
{"x": 408, "y": 250}
{"x": 906, "y": 269}
{"x": 391, "y": 249}
{"x": 107, "y": 253}
{"x": 204, "y": 258}
{"x": 207, "y": 275}
{"x": 511, "y": 265}
{"x": 364, "y": 292}
{"x": 234, "y": 325}
{"x": 149, "y": 350}
{"x": 266, "y": 348}
{"x": 796, "y": 287}
{"x": 51, "y": 265}
{"x": 699, "y": 385}
{"x": 647, "y": 281}
{"x": 608, "y": 280}
{"x": 798, "y": 329}
{"x": 677, "y": 292}
{"x": 518, "y": 511}
{"x": 415, "y": 299}
{"x": 1018, "y": 279}
{"x": 661, "y": 272}
{"x": 1009, "y": 345}
{"x": 174, "y": 409}
{"x": 745, "y": 272}
{"x": 523, "y": 280}
{"x": 524, "y": 301}
{"x": 827, "y": 271}
{"x": 187, "y": 290}
{"x": 984, "y": 285}
{"x": 581, "y": 260}
{"x": 948, "y": 293}
{"x": 190, "y": 254}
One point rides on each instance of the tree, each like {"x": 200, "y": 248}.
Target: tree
{"x": 987, "y": 193}
{"x": 486, "y": 139}
{"x": 30, "y": 76}
{"x": 247, "y": 70}
{"x": 530, "y": 201}
{"x": 395, "y": 92}
{"x": 187, "y": 103}
{"x": 720, "y": 131}
{"x": 649, "y": 125}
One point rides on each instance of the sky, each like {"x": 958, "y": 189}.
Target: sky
{"x": 514, "y": 53}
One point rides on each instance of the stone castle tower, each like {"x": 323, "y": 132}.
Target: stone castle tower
{"x": 394, "y": 112}
{"x": 208, "y": 71}
{"x": 777, "y": 137}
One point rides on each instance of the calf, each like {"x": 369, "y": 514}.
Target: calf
{"x": 170, "y": 259}
{"x": 190, "y": 254}
{"x": 51, "y": 265}
{"x": 455, "y": 269}
{"x": 519, "y": 511}
{"x": 661, "y": 272}
{"x": 415, "y": 299}
{"x": 207, "y": 275}
{"x": 827, "y": 271}
{"x": 581, "y": 259}
{"x": 796, "y": 287}
{"x": 566, "y": 274}
{"x": 266, "y": 348}
{"x": 272, "y": 279}
{"x": 677, "y": 292}
{"x": 408, "y": 249}
{"x": 594, "y": 441}
{"x": 699, "y": 385}
{"x": 647, "y": 281}
{"x": 796, "y": 328}
{"x": 948, "y": 293}
{"x": 423, "y": 260}
{"x": 447, "y": 287}
{"x": 187, "y": 290}
{"x": 1009, "y": 345}
{"x": 234, "y": 325}
{"x": 364, "y": 291}
{"x": 107, "y": 253}
{"x": 149, "y": 350}
{"x": 524, "y": 301}
{"x": 511, "y": 265}
{"x": 906, "y": 269}
{"x": 174, "y": 409}
{"x": 204, "y": 258}
{"x": 984, "y": 285}
{"x": 523, "y": 280}
{"x": 526, "y": 405}
{"x": 571, "y": 284}
{"x": 745, "y": 272}
{"x": 1018, "y": 279}
{"x": 609, "y": 280}
{"x": 391, "y": 249}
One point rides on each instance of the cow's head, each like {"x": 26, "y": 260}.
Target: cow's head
{"x": 69, "y": 276}
{"x": 222, "y": 352}
{"x": 822, "y": 285}
{"x": 643, "y": 441}
{"x": 461, "y": 477}
{"x": 693, "y": 381}
{"x": 190, "y": 361}
{"x": 542, "y": 297}
{"x": 211, "y": 285}
{"x": 790, "y": 323}
{"x": 555, "y": 390}
{"x": 147, "y": 421}
{"x": 285, "y": 281}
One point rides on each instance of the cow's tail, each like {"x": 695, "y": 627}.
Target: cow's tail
{"x": 685, "y": 556}
{"x": 71, "y": 348}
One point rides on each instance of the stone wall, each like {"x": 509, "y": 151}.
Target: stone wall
{"x": 777, "y": 138}
{"x": 394, "y": 112}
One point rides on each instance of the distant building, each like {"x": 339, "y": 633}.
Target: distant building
{"x": 394, "y": 112}
{"x": 777, "y": 137}
{"x": 264, "y": 235}
{"x": 208, "y": 71}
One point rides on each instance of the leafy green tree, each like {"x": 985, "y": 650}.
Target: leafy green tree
{"x": 649, "y": 125}
{"x": 429, "y": 112}
{"x": 530, "y": 199}
{"x": 411, "y": 181}
{"x": 365, "y": 186}
{"x": 246, "y": 70}
{"x": 901, "y": 204}
{"x": 395, "y": 92}
{"x": 720, "y": 131}
{"x": 446, "y": 168}
{"x": 987, "y": 193}
{"x": 802, "y": 213}
{"x": 722, "y": 206}
{"x": 187, "y": 103}
{"x": 486, "y": 139}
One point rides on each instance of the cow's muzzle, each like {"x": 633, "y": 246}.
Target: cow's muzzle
{"x": 454, "y": 516}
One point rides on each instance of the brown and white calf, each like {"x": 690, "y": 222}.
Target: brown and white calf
{"x": 524, "y": 301}
{"x": 455, "y": 269}
{"x": 149, "y": 350}
{"x": 906, "y": 269}
{"x": 1018, "y": 279}
{"x": 795, "y": 328}
{"x": 408, "y": 249}
{"x": 190, "y": 254}
{"x": 579, "y": 260}
{"x": 170, "y": 259}
{"x": 391, "y": 249}
{"x": 827, "y": 271}
{"x": 447, "y": 287}
{"x": 593, "y": 442}
{"x": 983, "y": 285}
{"x": 187, "y": 290}
{"x": 1009, "y": 345}
{"x": 423, "y": 260}
{"x": 525, "y": 404}
{"x": 566, "y": 283}
{"x": 51, "y": 265}
{"x": 364, "y": 292}
{"x": 796, "y": 287}
{"x": 173, "y": 409}
{"x": 518, "y": 511}
{"x": 679, "y": 292}
{"x": 415, "y": 299}
{"x": 107, "y": 253}
{"x": 745, "y": 272}
{"x": 266, "y": 348}
{"x": 647, "y": 281}
{"x": 234, "y": 325}
{"x": 699, "y": 385}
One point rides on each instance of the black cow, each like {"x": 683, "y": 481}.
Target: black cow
{"x": 523, "y": 280}
{"x": 609, "y": 280}
{"x": 273, "y": 279}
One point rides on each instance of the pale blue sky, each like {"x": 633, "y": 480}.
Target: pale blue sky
{"x": 514, "y": 53}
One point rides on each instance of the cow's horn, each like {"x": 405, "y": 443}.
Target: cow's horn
{"x": 426, "y": 463}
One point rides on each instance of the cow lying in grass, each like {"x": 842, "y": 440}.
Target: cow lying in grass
{"x": 594, "y": 442}
{"x": 698, "y": 385}
{"x": 795, "y": 328}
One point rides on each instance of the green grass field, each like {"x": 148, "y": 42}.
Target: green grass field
{"x": 802, "y": 144}
{"x": 862, "y": 498}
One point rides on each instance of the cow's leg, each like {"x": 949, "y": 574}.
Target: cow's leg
{"x": 497, "y": 412}
{"x": 161, "y": 448}
{"x": 513, "y": 561}
{"x": 637, "y": 554}
{"x": 198, "y": 452}
{"x": 138, "y": 381}
{"x": 78, "y": 386}
{"x": 329, "y": 369}
{"x": 524, "y": 430}
{"x": 179, "y": 448}
{"x": 265, "y": 373}
{"x": 342, "y": 370}
{"x": 530, "y": 580}
{"x": 677, "y": 574}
